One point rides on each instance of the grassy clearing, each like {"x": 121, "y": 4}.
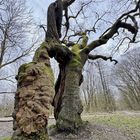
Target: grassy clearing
{"x": 116, "y": 120}
{"x": 124, "y": 122}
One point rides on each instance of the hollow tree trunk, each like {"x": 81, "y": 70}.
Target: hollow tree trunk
{"x": 59, "y": 90}
{"x": 34, "y": 95}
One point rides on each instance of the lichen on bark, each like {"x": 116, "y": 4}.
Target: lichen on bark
{"x": 34, "y": 95}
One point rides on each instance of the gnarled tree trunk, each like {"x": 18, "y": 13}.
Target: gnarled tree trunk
{"x": 67, "y": 102}
{"x": 34, "y": 95}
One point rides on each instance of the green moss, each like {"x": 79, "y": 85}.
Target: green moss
{"x": 47, "y": 70}
{"x": 22, "y": 71}
{"x": 23, "y": 67}
{"x": 7, "y": 138}
{"x": 42, "y": 50}
{"x": 70, "y": 124}
{"x": 76, "y": 50}
{"x": 76, "y": 60}
{"x": 74, "y": 63}
{"x": 84, "y": 41}
{"x": 44, "y": 136}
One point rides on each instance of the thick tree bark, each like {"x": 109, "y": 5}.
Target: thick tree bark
{"x": 34, "y": 95}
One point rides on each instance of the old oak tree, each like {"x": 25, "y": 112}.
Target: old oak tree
{"x": 36, "y": 89}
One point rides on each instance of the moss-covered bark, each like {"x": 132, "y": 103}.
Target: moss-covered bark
{"x": 70, "y": 109}
{"x": 34, "y": 95}
{"x": 69, "y": 118}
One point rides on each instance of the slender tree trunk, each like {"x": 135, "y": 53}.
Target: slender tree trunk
{"x": 33, "y": 98}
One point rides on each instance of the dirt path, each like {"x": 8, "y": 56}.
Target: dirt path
{"x": 96, "y": 132}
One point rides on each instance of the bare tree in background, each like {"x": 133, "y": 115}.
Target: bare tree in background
{"x": 15, "y": 24}
{"x": 96, "y": 88}
{"x": 128, "y": 79}
{"x": 89, "y": 89}
{"x": 109, "y": 102}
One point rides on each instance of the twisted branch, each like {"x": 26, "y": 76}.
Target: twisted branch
{"x": 94, "y": 57}
{"x": 110, "y": 32}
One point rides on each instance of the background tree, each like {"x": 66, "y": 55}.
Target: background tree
{"x": 15, "y": 28}
{"x": 96, "y": 88}
{"x": 128, "y": 79}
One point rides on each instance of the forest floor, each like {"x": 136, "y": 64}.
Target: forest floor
{"x": 102, "y": 126}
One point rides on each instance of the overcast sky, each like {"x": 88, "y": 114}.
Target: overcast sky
{"x": 39, "y": 8}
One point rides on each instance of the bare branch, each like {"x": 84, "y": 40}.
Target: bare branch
{"x": 110, "y": 32}
{"x": 24, "y": 53}
{"x": 67, "y": 22}
{"x": 15, "y": 20}
{"x": 7, "y": 78}
{"x": 7, "y": 92}
{"x": 81, "y": 9}
{"x": 74, "y": 17}
{"x": 67, "y": 3}
{"x": 94, "y": 57}
{"x": 42, "y": 26}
